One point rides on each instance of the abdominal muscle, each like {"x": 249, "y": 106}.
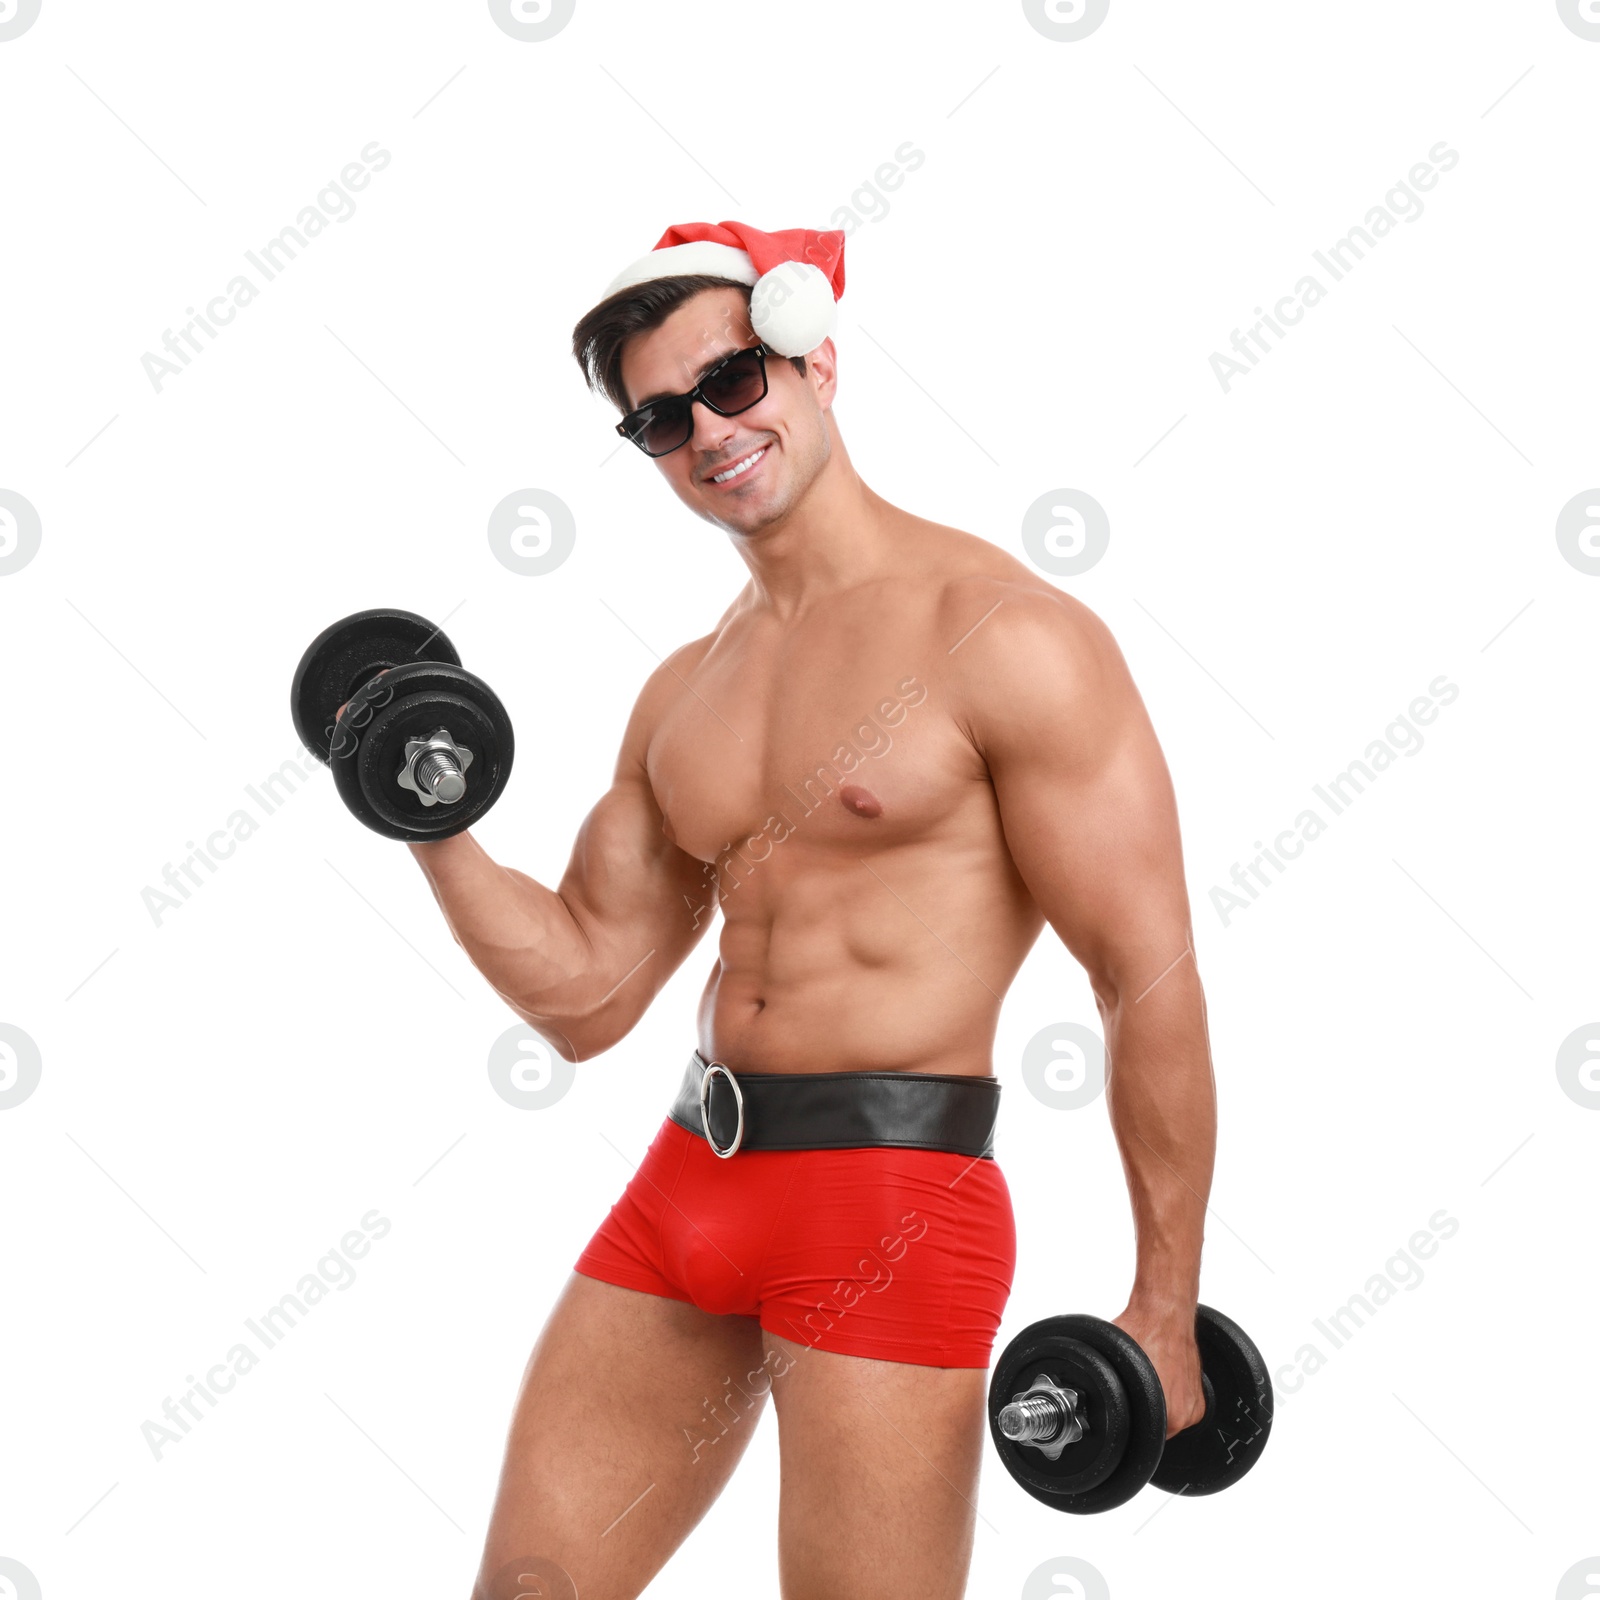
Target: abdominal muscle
{"x": 869, "y": 962}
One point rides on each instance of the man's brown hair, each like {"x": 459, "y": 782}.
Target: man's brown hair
{"x": 598, "y": 339}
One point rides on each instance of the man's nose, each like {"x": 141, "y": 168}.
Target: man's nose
{"x": 711, "y": 432}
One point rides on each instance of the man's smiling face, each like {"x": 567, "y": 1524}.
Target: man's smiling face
{"x": 780, "y": 443}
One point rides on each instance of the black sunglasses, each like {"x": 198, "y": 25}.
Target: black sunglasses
{"x": 735, "y": 384}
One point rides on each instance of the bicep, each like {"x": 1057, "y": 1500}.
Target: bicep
{"x": 636, "y": 897}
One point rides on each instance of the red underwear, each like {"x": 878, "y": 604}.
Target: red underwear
{"x": 891, "y": 1252}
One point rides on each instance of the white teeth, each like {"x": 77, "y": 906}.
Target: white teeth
{"x": 740, "y": 466}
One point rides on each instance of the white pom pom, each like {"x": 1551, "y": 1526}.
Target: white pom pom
{"x": 792, "y": 308}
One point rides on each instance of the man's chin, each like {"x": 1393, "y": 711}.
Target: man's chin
{"x": 753, "y": 508}
{"x": 745, "y": 521}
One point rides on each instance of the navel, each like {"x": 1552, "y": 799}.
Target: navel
{"x": 862, "y": 802}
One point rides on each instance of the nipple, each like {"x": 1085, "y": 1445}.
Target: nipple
{"x": 863, "y": 802}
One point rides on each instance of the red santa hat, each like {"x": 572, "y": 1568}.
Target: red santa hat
{"x": 795, "y": 277}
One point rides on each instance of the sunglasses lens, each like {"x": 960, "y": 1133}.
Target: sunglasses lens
{"x": 660, "y": 427}
{"x": 737, "y": 385}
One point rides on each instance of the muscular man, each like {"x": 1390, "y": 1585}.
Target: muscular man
{"x": 897, "y": 755}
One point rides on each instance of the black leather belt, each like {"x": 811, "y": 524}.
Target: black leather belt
{"x": 836, "y": 1110}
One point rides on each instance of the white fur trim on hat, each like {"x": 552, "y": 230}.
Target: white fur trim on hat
{"x": 792, "y": 308}
{"x": 677, "y": 260}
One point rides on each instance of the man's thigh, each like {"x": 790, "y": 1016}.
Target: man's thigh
{"x": 632, "y": 1414}
{"x": 880, "y": 1465}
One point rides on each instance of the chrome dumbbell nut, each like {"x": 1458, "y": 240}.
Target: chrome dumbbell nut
{"x": 435, "y": 769}
{"x": 1045, "y": 1416}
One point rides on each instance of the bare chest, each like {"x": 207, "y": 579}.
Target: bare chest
{"x": 841, "y": 740}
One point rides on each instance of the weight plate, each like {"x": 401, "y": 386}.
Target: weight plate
{"x": 1126, "y": 1413}
{"x": 1147, "y": 1412}
{"x": 414, "y": 702}
{"x": 1102, "y": 1404}
{"x": 1228, "y": 1440}
{"x": 345, "y": 656}
{"x": 480, "y": 727}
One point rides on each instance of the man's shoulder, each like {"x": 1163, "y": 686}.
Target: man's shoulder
{"x": 1024, "y": 657}
{"x": 962, "y": 566}
{"x": 1026, "y": 618}
{"x": 671, "y": 677}
{"x": 661, "y": 690}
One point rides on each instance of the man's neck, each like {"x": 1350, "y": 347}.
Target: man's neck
{"x": 840, "y": 536}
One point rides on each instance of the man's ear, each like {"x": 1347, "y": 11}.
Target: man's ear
{"x": 822, "y": 372}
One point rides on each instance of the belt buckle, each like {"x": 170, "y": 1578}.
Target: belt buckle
{"x": 705, "y": 1120}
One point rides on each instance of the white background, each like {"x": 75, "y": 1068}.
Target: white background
{"x": 227, "y": 1093}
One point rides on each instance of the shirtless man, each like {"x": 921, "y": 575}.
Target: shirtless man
{"x": 897, "y": 755}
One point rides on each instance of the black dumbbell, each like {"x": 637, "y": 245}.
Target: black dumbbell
{"x": 423, "y": 747}
{"x": 1077, "y": 1413}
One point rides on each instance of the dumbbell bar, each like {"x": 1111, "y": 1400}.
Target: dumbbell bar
{"x": 1078, "y": 1417}
{"x": 423, "y": 747}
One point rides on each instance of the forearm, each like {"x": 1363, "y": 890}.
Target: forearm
{"x": 520, "y": 935}
{"x": 1162, "y": 1101}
